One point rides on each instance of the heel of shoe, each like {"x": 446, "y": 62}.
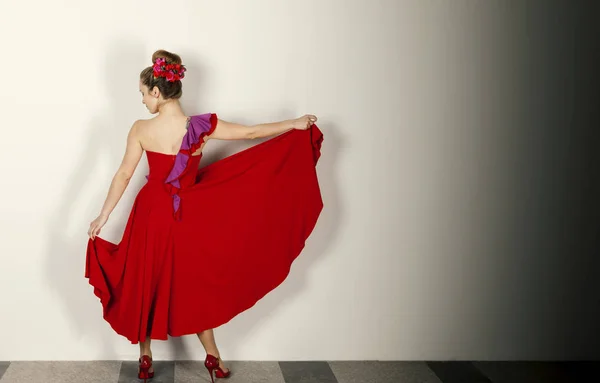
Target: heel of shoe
{"x": 144, "y": 375}
{"x": 210, "y": 372}
{"x": 212, "y": 365}
{"x": 144, "y": 368}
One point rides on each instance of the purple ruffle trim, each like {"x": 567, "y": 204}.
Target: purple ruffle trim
{"x": 176, "y": 202}
{"x": 197, "y": 125}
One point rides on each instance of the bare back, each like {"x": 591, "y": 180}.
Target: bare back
{"x": 163, "y": 134}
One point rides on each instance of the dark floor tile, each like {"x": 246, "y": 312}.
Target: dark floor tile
{"x": 3, "y": 368}
{"x": 458, "y": 372}
{"x": 382, "y": 372}
{"x": 576, "y": 371}
{"x": 538, "y": 372}
{"x": 307, "y": 372}
{"x": 164, "y": 372}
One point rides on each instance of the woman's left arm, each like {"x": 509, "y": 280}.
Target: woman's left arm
{"x": 133, "y": 154}
{"x": 232, "y": 131}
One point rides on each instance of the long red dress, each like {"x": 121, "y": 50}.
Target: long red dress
{"x": 203, "y": 245}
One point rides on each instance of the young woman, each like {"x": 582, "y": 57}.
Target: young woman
{"x": 201, "y": 245}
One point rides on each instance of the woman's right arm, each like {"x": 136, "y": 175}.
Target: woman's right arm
{"x": 232, "y": 131}
{"x": 133, "y": 154}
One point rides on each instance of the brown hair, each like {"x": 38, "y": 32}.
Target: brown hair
{"x": 167, "y": 89}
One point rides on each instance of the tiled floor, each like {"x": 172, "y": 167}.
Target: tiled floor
{"x": 304, "y": 372}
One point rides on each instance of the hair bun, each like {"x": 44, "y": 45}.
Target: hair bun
{"x": 170, "y": 58}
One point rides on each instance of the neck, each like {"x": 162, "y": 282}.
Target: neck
{"x": 171, "y": 108}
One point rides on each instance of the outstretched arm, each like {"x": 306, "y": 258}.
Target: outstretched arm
{"x": 133, "y": 154}
{"x": 232, "y": 131}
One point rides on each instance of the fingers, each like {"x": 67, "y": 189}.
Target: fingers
{"x": 93, "y": 231}
{"x": 95, "y": 227}
{"x": 310, "y": 120}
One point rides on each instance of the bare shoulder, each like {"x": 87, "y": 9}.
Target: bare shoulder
{"x": 141, "y": 123}
{"x": 139, "y": 127}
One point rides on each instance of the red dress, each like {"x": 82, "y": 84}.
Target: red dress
{"x": 203, "y": 245}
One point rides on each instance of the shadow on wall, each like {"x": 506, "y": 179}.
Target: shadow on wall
{"x": 106, "y": 134}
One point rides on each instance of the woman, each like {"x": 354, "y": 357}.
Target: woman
{"x": 201, "y": 245}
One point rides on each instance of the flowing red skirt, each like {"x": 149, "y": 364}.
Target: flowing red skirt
{"x": 241, "y": 223}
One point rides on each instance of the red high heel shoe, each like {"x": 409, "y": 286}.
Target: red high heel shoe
{"x": 212, "y": 364}
{"x": 144, "y": 369}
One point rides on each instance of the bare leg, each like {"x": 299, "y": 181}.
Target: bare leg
{"x": 145, "y": 350}
{"x": 207, "y": 338}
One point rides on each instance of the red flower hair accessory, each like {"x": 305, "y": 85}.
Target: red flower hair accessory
{"x": 172, "y": 72}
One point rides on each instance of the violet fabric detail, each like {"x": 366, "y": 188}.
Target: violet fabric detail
{"x": 181, "y": 161}
{"x": 176, "y": 202}
{"x": 197, "y": 125}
